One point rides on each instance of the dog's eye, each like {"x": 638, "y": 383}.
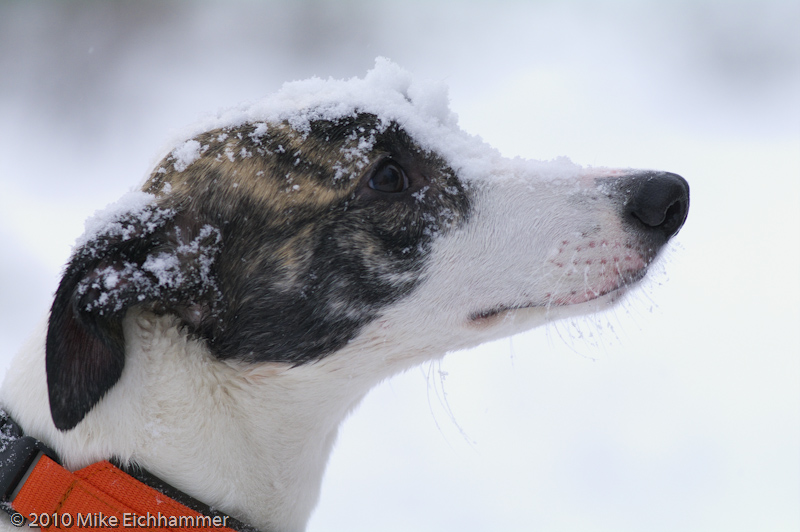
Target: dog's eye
{"x": 389, "y": 177}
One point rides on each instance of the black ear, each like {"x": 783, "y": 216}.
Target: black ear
{"x": 85, "y": 349}
{"x": 139, "y": 259}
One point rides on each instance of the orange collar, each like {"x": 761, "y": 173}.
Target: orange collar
{"x": 34, "y": 487}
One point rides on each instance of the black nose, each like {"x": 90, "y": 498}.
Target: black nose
{"x": 658, "y": 202}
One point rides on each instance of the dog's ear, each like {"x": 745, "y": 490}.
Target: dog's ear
{"x": 137, "y": 259}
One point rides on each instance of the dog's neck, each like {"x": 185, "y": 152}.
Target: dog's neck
{"x": 251, "y": 441}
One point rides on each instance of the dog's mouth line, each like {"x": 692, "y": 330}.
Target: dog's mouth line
{"x": 574, "y": 298}
{"x": 488, "y": 314}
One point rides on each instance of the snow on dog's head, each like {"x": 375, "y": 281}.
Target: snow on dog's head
{"x": 393, "y": 95}
{"x": 352, "y": 214}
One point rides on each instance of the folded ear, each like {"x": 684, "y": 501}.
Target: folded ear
{"x": 138, "y": 259}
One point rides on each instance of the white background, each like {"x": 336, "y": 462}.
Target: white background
{"x": 677, "y": 411}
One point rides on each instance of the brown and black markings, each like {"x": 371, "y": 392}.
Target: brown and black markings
{"x": 271, "y": 243}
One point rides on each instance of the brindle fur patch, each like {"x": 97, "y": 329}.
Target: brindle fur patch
{"x": 309, "y": 252}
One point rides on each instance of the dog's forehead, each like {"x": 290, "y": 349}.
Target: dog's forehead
{"x": 321, "y": 163}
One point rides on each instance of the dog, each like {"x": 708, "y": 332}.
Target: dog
{"x": 216, "y": 327}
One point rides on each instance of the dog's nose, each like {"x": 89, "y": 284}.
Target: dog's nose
{"x": 658, "y": 202}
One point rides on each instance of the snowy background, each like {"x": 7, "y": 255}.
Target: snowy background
{"x": 679, "y": 410}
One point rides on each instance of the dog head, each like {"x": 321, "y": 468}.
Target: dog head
{"x": 352, "y": 213}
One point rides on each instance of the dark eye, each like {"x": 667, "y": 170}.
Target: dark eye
{"x": 389, "y": 177}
